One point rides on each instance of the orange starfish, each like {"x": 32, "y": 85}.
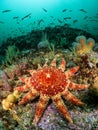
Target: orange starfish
{"x": 50, "y": 82}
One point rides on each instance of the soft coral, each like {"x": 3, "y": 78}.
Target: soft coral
{"x": 84, "y": 45}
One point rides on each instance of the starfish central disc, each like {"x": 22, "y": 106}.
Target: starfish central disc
{"x": 50, "y": 81}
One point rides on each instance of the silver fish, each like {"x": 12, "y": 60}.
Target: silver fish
{"x": 1, "y": 22}
{"x": 44, "y": 10}
{"x": 64, "y": 10}
{"x": 5, "y": 11}
{"x": 82, "y": 10}
{"x": 75, "y": 21}
{"x": 26, "y": 16}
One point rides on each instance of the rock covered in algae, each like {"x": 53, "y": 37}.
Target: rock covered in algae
{"x": 94, "y": 88}
{"x": 53, "y": 120}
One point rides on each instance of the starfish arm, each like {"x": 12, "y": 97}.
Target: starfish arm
{"x": 24, "y": 79}
{"x": 31, "y": 71}
{"x": 23, "y": 88}
{"x": 29, "y": 96}
{"x": 61, "y": 107}
{"x": 39, "y": 67}
{"x": 43, "y": 101}
{"x": 69, "y": 96}
{"x": 75, "y": 86}
{"x": 62, "y": 65}
{"x": 45, "y": 64}
{"x": 53, "y": 62}
{"x": 71, "y": 72}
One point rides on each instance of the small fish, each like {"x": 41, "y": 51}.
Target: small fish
{"x": 95, "y": 16}
{"x": 52, "y": 23}
{"x": 26, "y": 16}
{"x": 51, "y": 16}
{"x": 67, "y": 18}
{"x": 75, "y": 21}
{"x": 5, "y": 11}
{"x": 44, "y": 10}
{"x": 85, "y": 26}
{"x": 15, "y": 17}
{"x": 59, "y": 21}
{"x": 95, "y": 28}
{"x": 1, "y": 22}
{"x": 70, "y": 10}
{"x": 67, "y": 25}
{"x": 94, "y": 20}
{"x": 64, "y": 10}
{"x": 17, "y": 22}
{"x": 85, "y": 17}
{"x": 34, "y": 22}
{"x": 90, "y": 17}
{"x": 40, "y": 21}
{"x": 82, "y": 10}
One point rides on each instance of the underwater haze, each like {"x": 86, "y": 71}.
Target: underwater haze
{"x": 18, "y": 17}
{"x": 48, "y": 64}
